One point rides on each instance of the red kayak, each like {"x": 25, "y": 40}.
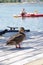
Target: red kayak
{"x": 34, "y": 15}
{"x": 30, "y": 15}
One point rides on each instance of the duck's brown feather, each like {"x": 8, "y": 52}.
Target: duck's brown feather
{"x": 16, "y": 39}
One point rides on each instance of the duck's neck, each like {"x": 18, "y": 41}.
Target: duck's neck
{"x": 21, "y": 33}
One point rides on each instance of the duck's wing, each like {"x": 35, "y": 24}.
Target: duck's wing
{"x": 17, "y": 37}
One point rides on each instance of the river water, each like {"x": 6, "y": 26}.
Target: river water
{"x": 8, "y": 10}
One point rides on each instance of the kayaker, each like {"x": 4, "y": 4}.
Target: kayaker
{"x": 23, "y": 12}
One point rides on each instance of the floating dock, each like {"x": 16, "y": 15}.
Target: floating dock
{"x": 32, "y": 49}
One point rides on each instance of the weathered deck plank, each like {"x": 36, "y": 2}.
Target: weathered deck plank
{"x": 31, "y": 50}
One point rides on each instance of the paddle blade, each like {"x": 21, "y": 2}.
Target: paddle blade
{"x": 16, "y": 16}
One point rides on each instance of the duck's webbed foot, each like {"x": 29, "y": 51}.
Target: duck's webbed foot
{"x": 18, "y": 46}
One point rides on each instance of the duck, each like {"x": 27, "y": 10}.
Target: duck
{"x": 17, "y": 38}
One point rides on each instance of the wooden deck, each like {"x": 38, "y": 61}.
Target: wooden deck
{"x": 31, "y": 50}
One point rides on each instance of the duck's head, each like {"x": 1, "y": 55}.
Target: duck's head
{"x": 22, "y": 30}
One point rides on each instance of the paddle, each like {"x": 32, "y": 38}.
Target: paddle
{"x": 16, "y": 16}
